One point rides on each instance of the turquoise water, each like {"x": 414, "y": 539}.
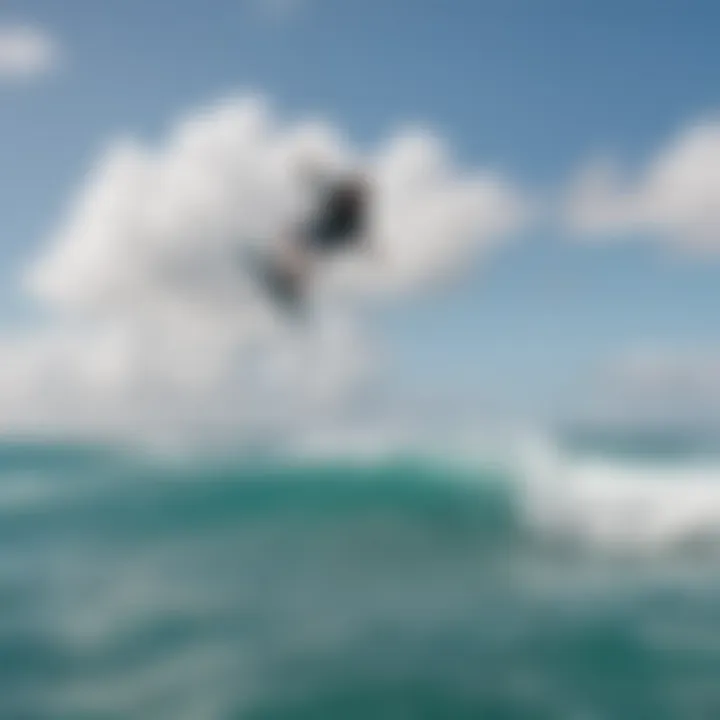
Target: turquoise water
{"x": 386, "y": 589}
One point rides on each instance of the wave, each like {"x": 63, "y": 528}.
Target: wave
{"x": 620, "y": 503}
{"x": 397, "y": 586}
{"x": 537, "y": 488}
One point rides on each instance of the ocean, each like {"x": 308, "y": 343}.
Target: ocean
{"x": 555, "y": 585}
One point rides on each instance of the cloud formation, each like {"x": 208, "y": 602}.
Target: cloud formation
{"x": 666, "y": 387}
{"x": 26, "y": 52}
{"x": 153, "y": 322}
{"x": 675, "y": 199}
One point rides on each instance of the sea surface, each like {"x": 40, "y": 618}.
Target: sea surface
{"x": 559, "y": 585}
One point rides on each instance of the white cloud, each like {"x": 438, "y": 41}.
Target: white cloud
{"x": 675, "y": 199}
{"x": 26, "y": 52}
{"x": 660, "y": 386}
{"x": 155, "y": 324}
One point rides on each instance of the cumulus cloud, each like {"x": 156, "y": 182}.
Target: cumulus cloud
{"x": 153, "y": 321}
{"x": 659, "y": 387}
{"x": 26, "y": 52}
{"x": 675, "y": 199}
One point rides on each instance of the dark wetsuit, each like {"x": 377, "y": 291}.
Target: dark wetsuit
{"x": 339, "y": 224}
{"x": 341, "y": 220}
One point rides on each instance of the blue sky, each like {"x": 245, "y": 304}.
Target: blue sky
{"x": 533, "y": 88}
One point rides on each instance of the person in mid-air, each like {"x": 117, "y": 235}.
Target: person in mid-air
{"x": 339, "y": 223}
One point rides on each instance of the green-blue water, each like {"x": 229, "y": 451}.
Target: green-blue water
{"x": 391, "y": 590}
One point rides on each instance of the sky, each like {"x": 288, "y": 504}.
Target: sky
{"x": 594, "y": 125}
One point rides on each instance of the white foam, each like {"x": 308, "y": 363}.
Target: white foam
{"x": 619, "y": 503}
